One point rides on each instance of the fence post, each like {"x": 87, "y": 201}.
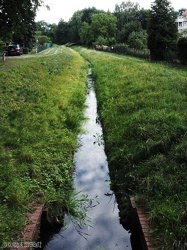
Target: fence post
{"x": 3, "y": 57}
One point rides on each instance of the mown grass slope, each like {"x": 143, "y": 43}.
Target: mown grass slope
{"x": 41, "y": 108}
{"x": 143, "y": 109}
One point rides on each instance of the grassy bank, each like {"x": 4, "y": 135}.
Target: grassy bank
{"x": 42, "y": 100}
{"x": 143, "y": 109}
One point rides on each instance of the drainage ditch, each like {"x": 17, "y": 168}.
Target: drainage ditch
{"x": 92, "y": 177}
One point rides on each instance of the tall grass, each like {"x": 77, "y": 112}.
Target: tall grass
{"x": 143, "y": 109}
{"x": 42, "y": 100}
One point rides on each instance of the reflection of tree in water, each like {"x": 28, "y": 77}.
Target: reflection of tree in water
{"x": 91, "y": 176}
{"x": 127, "y": 215}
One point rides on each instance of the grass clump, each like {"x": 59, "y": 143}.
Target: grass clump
{"x": 143, "y": 109}
{"x": 42, "y": 100}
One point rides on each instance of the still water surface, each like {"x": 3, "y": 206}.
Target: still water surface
{"x": 92, "y": 178}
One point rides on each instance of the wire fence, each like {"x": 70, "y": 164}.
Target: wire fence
{"x": 43, "y": 47}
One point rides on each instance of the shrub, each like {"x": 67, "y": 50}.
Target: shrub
{"x": 25, "y": 50}
{"x": 182, "y": 50}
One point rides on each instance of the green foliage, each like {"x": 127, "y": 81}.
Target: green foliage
{"x": 2, "y": 46}
{"x": 88, "y": 25}
{"x": 74, "y": 27}
{"x": 182, "y": 50}
{"x": 86, "y": 34}
{"x": 102, "y": 25}
{"x": 75, "y": 30}
{"x": 42, "y": 100}
{"x": 77, "y": 205}
{"x": 143, "y": 109}
{"x": 17, "y": 21}
{"x": 138, "y": 40}
{"x": 121, "y": 48}
{"x": 162, "y": 30}
{"x": 25, "y": 50}
{"x": 101, "y": 40}
{"x": 61, "y": 33}
{"x": 88, "y": 12}
{"x": 42, "y": 39}
{"x": 47, "y": 29}
{"x": 125, "y": 13}
{"x": 128, "y": 29}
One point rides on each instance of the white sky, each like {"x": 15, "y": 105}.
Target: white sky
{"x": 60, "y": 9}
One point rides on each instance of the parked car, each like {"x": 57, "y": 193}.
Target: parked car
{"x": 14, "y": 50}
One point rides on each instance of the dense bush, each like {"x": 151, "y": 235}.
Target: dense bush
{"x": 2, "y": 46}
{"x": 120, "y": 48}
{"x": 182, "y": 50}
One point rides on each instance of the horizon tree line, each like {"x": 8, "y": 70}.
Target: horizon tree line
{"x": 153, "y": 29}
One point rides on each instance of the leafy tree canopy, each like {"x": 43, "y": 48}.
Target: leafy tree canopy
{"x": 88, "y": 12}
{"x": 102, "y": 25}
{"x": 181, "y": 11}
{"x": 126, "y": 12}
{"x": 61, "y": 34}
{"x": 162, "y": 30}
{"x": 17, "y": 20}
{"x": 46, "y": 29}
{"x": 138, "y": 40}
{"x": 128, "y": 28}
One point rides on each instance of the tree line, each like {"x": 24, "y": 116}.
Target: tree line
{"x": 128, "y": 24}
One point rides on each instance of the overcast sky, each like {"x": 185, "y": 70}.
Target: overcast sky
{"x": 60, "y": 9}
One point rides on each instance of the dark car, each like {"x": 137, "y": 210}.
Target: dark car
{"x": 14, "y": 50}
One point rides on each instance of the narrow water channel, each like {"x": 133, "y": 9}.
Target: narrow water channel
{"x": 92, "y": 178}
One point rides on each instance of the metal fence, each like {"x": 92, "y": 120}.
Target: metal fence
{"x": 43, "y": 47}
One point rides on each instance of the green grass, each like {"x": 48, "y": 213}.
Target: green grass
{"x": 41, "y": 110}
{"x": 143, "y": 109}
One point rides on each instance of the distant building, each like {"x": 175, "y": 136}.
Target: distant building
{"x": 182, "y": 22}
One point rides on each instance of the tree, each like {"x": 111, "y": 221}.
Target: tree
{"x": 86, "y": 34}
{"x": 17, "y": 20}
{"x": 184, "y": 33}
{"x": 46, "y": 29}
{"x": 75, "y": 24}
{"x": 62, "y": 32}
{"x": 138, "y": 40}
{"x": 128, "y": 28}
{"x": 88, "y": 12}
{"x": 182, "y": 50}
{"x": 162, "y": 30}
{"x": 181, "y": 11}
{"x": 42, "y": 39}
{"x": 42, "y": 26}
{"x": 142, "y": 16}
{"x": 102, "y": 25}
{"x": 125, "y": 13}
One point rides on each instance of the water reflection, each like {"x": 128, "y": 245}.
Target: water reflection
{"x": 92, "y": 177}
